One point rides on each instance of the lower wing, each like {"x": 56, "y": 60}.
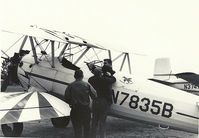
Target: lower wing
{"x": 29, "y": 106}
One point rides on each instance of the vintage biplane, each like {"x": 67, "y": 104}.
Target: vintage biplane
{"x": 47, "y": 67}
{"x": 186, "y": 81}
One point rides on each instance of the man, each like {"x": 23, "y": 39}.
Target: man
{"x": 108, "y": 67}
{"x": 77, "y": 95}
{"x": 103, "y": 85}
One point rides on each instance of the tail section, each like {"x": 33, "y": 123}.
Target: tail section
{"x": 162, "y": 69}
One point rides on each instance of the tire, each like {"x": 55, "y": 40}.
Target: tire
{"x": 60, "y": 122}
{"x": 12, "y": 130}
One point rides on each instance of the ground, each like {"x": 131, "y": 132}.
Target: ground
{"x": 116, "y": 128}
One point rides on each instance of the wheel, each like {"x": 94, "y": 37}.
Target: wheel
{"x": 12, "y": 130}
{"x": 60, "y": 122}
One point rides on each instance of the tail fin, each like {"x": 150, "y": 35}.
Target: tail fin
{"x": 162, "y": 69}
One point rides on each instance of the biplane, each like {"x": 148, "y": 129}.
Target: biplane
{"x": 47, "y": 67}
{"x": 186, "y": 81}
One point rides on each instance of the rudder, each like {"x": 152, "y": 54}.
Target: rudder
{"x": 162, "y": 69}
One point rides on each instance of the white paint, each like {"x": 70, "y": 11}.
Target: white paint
{"x": 31, "y": 114}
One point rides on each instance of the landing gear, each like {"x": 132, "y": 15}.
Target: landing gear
{"x": 60, "y": 122}
{"x": 12, "y": 130}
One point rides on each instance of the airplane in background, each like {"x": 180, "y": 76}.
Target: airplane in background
{"x": 45, "y": 70}
{"x": 186, "y": 81}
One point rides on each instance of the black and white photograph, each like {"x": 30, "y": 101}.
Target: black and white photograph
{"x": 99, "y": 68}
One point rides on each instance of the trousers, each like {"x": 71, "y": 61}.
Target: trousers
{"x": 81, "y": 117}
{"x": 100, "y": 111}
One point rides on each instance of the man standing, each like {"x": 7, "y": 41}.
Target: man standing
{"x": 103, "y": 85}
{"x": 77, "y": 95}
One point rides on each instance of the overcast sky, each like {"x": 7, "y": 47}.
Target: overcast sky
{"x": 155, "y": 28}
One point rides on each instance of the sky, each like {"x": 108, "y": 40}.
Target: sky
{"x": 147, "y": 29}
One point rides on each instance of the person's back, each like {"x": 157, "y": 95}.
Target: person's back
{"x": 95, "y": 81}
{"x": 80, "y": 93}
{"x": 77, "y": 96}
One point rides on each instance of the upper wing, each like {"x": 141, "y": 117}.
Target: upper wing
{"x": 74, "y": 39}
{"x": 53, "y": 35}
{"x": 35, "y": 32}
{"x": 190, "y": 77}
{"x": 29, "y": 106}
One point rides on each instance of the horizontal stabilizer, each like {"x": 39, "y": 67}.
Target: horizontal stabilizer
{"x": 190, "y": 77}
{"x": 162, "y": 82}
{"x": 29, "y": 106}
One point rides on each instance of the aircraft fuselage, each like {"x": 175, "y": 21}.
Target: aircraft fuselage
{"x": 133, "y": 99}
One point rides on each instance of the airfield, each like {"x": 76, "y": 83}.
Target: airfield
{"x": 116, "y": 128}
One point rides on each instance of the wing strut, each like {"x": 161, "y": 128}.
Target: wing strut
{"x": 63, "y": 50}
{"x": 23, "y": 43}
{"x": 129, "y": 63}
{"x": 33, "y": 49}
{"x": 123, "y": 62}
{"x": 53, "y": 53}
{"x": 109, "y": 54}
{"x": 82, "y": 55}
{"x": 126, "y": 55}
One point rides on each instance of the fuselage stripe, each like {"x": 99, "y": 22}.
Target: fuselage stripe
{"x": 46, "y": 78}
{"x": 187, "y": 115}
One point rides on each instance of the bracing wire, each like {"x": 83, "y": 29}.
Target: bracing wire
{"x": 85, "y": 55}
{"x": 13, "y": 44}
{"x": 95, "y": 53}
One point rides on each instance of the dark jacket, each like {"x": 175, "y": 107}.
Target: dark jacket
{"x": 103, "y": 86}
{"x": 78, "y": 92}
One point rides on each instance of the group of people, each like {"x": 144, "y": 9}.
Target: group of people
{"x": 78, "y": 94}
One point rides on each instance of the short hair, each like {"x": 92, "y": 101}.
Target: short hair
{"x": 78, "y": 74}
{"x": 108, "y": 60}
{"x": 97, "y": 71}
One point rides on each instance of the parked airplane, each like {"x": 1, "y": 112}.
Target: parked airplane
{"x": 186, "y": 81}
{"x": 46, "y": 72}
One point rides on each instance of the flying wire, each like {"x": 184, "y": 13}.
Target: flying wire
{"x": 35, "y": 81}
{"x": 13, "y": 44}
{"x": 95, "y": 53}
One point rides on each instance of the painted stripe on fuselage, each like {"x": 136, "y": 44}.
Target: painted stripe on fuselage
{"x": 190, "y": 116}
{"x": 46, "y": 78}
